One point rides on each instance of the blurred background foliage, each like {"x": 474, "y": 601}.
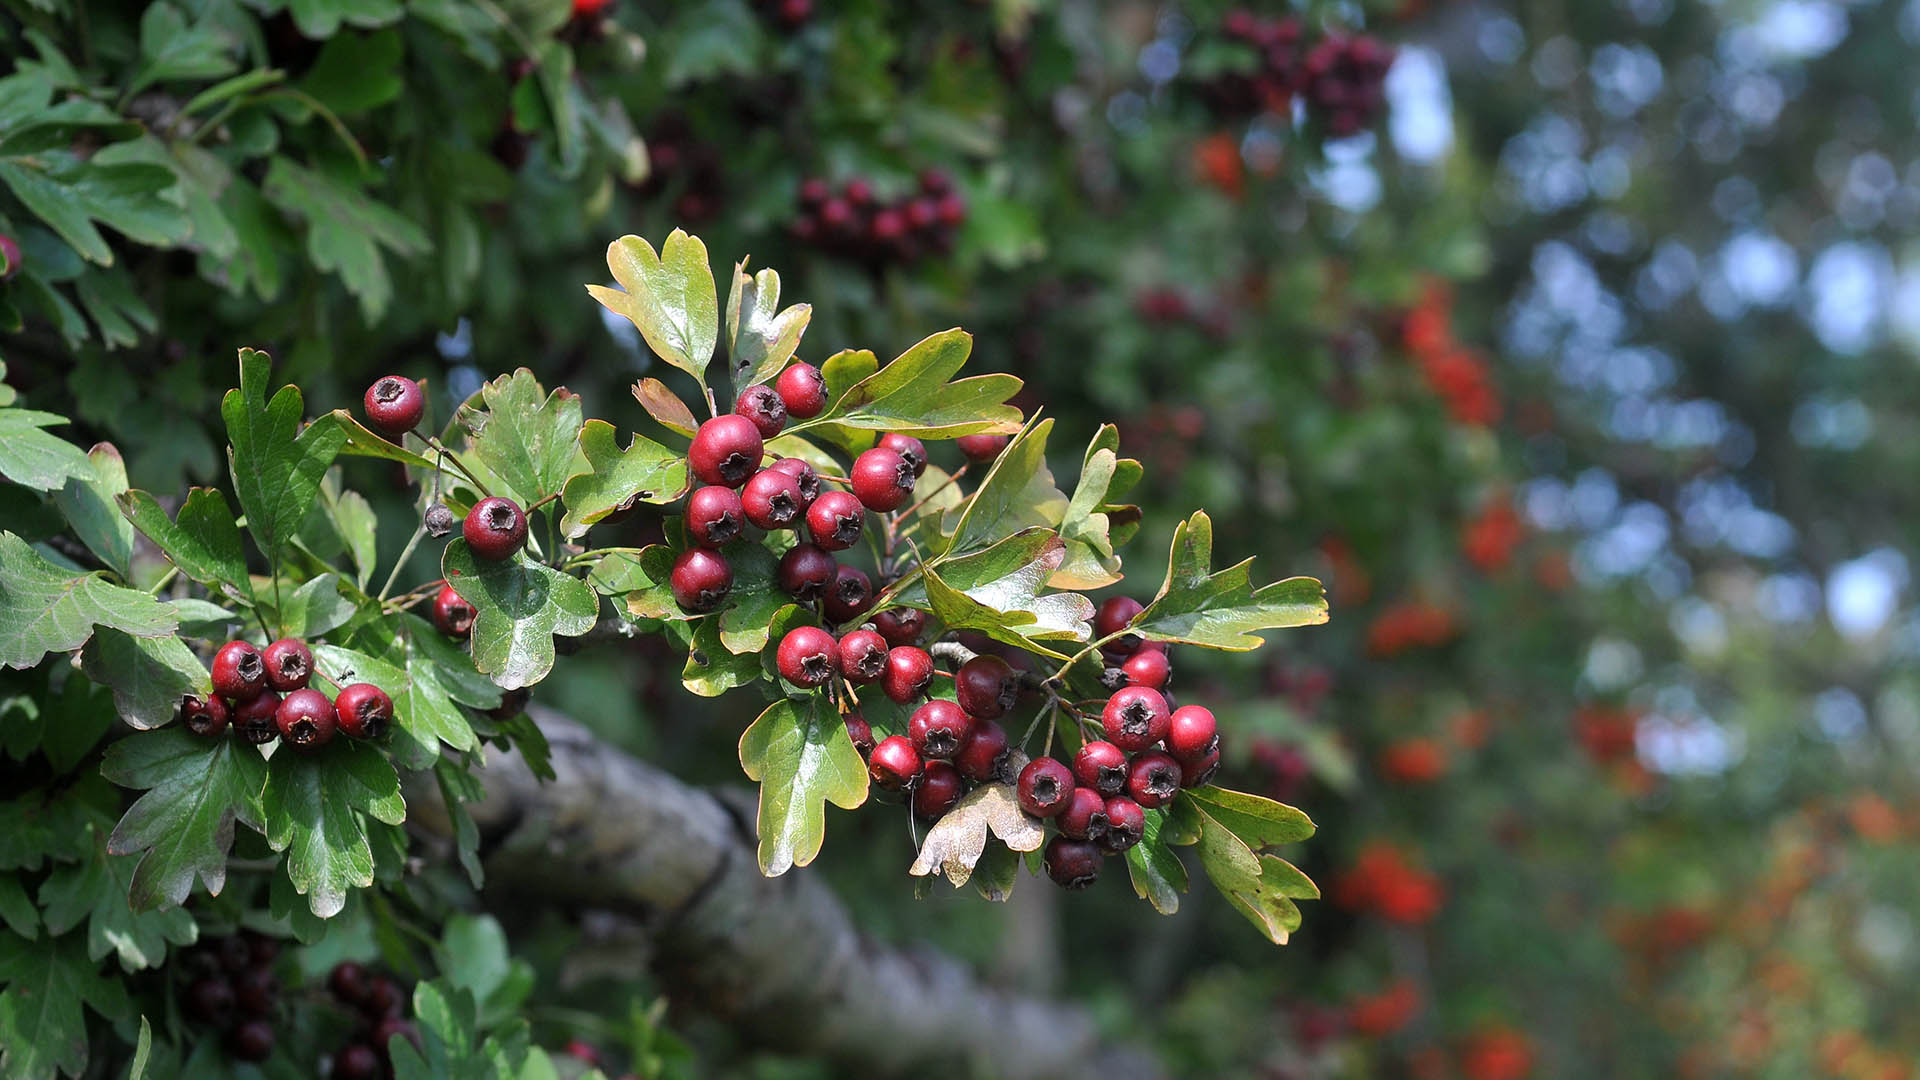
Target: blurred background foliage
{"x": 1581, "y": 367}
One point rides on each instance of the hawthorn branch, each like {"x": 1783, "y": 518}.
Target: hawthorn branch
{"x": 777, "y": 959}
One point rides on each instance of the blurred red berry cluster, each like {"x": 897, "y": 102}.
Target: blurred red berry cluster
{"x": 1496, "y": 1052}
{"x": 1489, "y": 538}
{"x": 854, "y": 224}
{"x": 1410, "y": 624}
{"x": 1458, "y": 375}
{"x": 1606, "y": 732}
{"x": 1340, "y": 77}
{"x": 1381, "y": 1014}
{"x": 1343, "y": 82}
{"x": 1417, "y": 760}
{"x": 1383, "y": 881}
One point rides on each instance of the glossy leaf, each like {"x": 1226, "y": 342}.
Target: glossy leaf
{"x": 761, "y": 338}
{"x": 1157, "y": 874}
{"x": 1018, "y": 493}
{"x": 44, "y": 608}
{"x": 1222, "y": 610}
{"x": 529, "y": 439}
{"x": 802, "y": 757}
{"x": 519, "y": 605}
{"x": 194, "y": 790}
{"x": 148, "y": 675}
{"x": 276, "y": 465}
{"x": 313, "y": 805}
{"x": 204, "y": 541}
{"x": 1258, "y": 821}
{"x": 645, "y": 472}
{"x": 998, "y": 592}
{"x": 670, "y": 297}
{"x": 34, "y": 459}
{"x": 912, "y": 395}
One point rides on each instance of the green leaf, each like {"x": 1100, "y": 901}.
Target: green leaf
{"x": 142, "y": 1051}
{"x": 70, "y": 194}
{"x": 195, "y": 788}
{"x": 89, "y": 506}
{"x": 44, "y": 608}
{"x": 712, "y": 668}
{"x": 1259, "y": 822}
{"x": 644, "y": 472}
{"x": 665, "y": 407}
{"x": 172, "y": 50}
{"x": 996, "y": 873}
{"x": 670, "y": 297}
{"x": 448, "y": 1022}
{"x": 356, "y": 73}
{"x": 313, "y": 806}
{"x": 998, "y": 592}
{"x": 458, "y": 787}
{"x": 16, "y": 908}
{"x": 530, "y": 439}
{"x": 361, "y": 442}
{"x": 319, "y": 20}
{"x": 1157, "y": 874}
{"x": 314, "y": 608}
{"x": 760, "y": 337}
{"x": 1018, "y": 493}
{"x": 801, "y": 755}
{"x": 1222, "y": 610}
{"x": 32, "y": 458}
{"x": 204, "y": 542}
{"x": 1261, "y": 887}
{"x": 48, "y": 985}
{"x": 640, "y": 581}
{"x": 747, "y": 618}
{"x": 276, "y": 466}
{"x": 346, "y": 229}
{"x": 1085, "y": 526}
{"x": 148, "y": 675}
{"x": 94, "y": 891}
{"x": 912, "y": 395}
{"x": 955, "y": 843}
{"x": 519, "y": 605}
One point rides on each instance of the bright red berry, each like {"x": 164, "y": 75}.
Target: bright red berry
{"x": 1153, "y": 779}
{"x": 772, "y": 500}
{"x": 940, "y": 786}
{"x": 208, "y": 715}
{"x": 365, "y": 711}
{"x": 1126, "y": 823}
{"x": 834, "y": 520}
{"x": 1135, "y": 718}
{"x": 901, "y": 625}
{"x": 289, "y": 664}
{"x": 910, "y": 449}
{"x": 1101, "y": 766}
{"x": 1113, "y": 616}
{"x": 863, "y": 656}
{"x": 987, "y": 687}
{"x": 861, "y": 733}
{"x": 849, "y": 595}
{"x": 1192, "y": 732}
{"x": 239, "y": 672}
{"x": 762, "y": 405}
{"x": 251, "y": 1041}
{"x": 726, "y": 451}
{"x": 495, "y": 529}
{"x": 394, "y": 405}
{"x": 253, "y": 719}
{"x": 715, "y": 516}
{"x": 805, "y": 572}
{"x": 1197, "y": 771}
{"x": 306, "y": 719}
{"x": 1085, "y": 815}
{"x": 807, "y": 656}
{"x": 700, "y": 580}
{"x": 451, "y": 612}
{"x": 1044, "y": 788}
{"x": 882, "y": 479}
{"x": 939, "y": 728}
{"x": 981, "y": 447}
{"x": 983, "y": 757}
{"x": 803, "y": 475}
{"x": 909, "y": 670}
{"x": 1072, "y": 864}
{"x": 1149, "y": 668}
{"x": 893, "y": 764}
{"x": 803, "y": 389}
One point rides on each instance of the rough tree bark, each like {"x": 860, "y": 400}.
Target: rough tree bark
{"x": 777, "y": 959}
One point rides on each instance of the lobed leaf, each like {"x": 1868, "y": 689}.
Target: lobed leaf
{"x": 645, "y": 472}
{"x": 1222, "y": 610}
{"x": 195, "y": 788}
{"x": 955, "y": 843}
{"x": 760, "y": 337}
{"x": 314, "y": 805}
{"x": 530, "y": 439}
{"x": 276, "y": 466}
{"x": 519, "y": 605}
{"x": 46, "y": 609}
{"x": 802, "y": 757}
{"x": 670, "y": 297}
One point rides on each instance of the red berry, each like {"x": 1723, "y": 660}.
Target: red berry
{"x": 938, "y": 728}
{"x": 1126, "y": 823}
{"x": 834, "y": 520}
{"x": 983, "y": 757}
{"x": 802, "y": 474}
{"x": 208, "y": 715}
{"x": 863, "y": 656}
{"x": 1072, "y": 864}
{"x": 1153, "y": 779}
{"x": 814, "y": 191}
{"x": 901, "y": 625}
{"x": 251, "y": 1041}
{"x": 882, "y": 479}
{"x": 238, "y": 671}
{"x": 858, "y": 192}
{"x": 1197, "y": 771}
{"x": 495, "y": 529}
{"x": 1085, "y": 815}
{"x": 893, "y": 764}
{"x": 849, "y": 595}
{"x": 365, "y": 711}
{"x": 726, "y": 451}
{"x": 1044, "y": 788}
{"x": 383, "y": 999}
{"x": 987, "y": 687}
{"x": 772, "y": 500}
{"x": 306, "y": 719}
{"x": 807, "y": 656}
{"x": 939, "y": 787}
{"x": 1101, "y": 766}
{"x": 1135, "y": 718}
{"x": 805, "y": 572}
{"x": 1113, "y": 616}
{"x": 393, "y": 1027}
{"x": 861, "y": 733}
{"x": 715, "y": 516}
{"x": 910, "y": 449}
{"x": 953, "y": 210}
{"x": 210, "y": 1000}
{"x": 935, "y": 181}
{"x": 394, "y": 405}
{"x": 451, "y": 613}
{"x": 701, "y": 580}
{"x": 348, "y": 981}
{"x": 835, "y": 216}
{"x": 762, "y": 405}
{"x": 253, "y": 719}
{"x": 909, "y": 670}
{"x": 289, "y": 664}
{"x": 888, "y": 226}
{"x": 357, "y": 1061}
{"x": 803, "y": 389}
{"x": 923, "y": 214}
{"x": 1149, "y": 668}
{"x": 256, "y": 991}
{"x": 1192, "y": 732}
{"x": 10, "y": 255}
{"x": 584, "y": 1051}
{"x": 981, "y": 447}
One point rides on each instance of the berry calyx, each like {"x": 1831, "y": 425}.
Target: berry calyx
{"x": 1044, "y": 787}
{"x": 802, "y": 474}
{"x": 394, "y": 405}
{"x": 1085, "y": 815}
{"x": 805, "y": 571}
{"x": 1149, "y": 668}
{"x": 1192, "y": 732}
{"x": 253, "y": 719}
{"x": 1101, "y": 766}
{"x": 803, "y": 389}
{"x": 939, "y": 787}
{"x": 1135, "y": 718}
{"x": 762, "y": 405}
{"x": 251, "y": 1041}
{"x": 239, "y": 672}
{"x": 495, "y": 529}
{"x": 834, "y": 520}
{"x": 208, "y": 715}
{"x": 715, "y": 516}
{"x": 909, "y": 670}
{"x": 289, "y": 664}
{"x": 987, "y": 687}
{"x": 451, "y": 612}
{"x": 910, "y": 449}
{"x": 938, "y": 728}
{"x": 901, "y": 625}
{"x": 861, "y": 733}
{"x": 981, "y": 447}
{"x": 863, "y": 656}
{"x": 1153, "y": 779}
{"x": 882, "y": 479}
{"x": 772, "y": 500}
{"x": 306, "y": 719}
{"x": 1112, "y": 617}
{"x": 700, "y": 580}
{"x": 807, "y": 656}
{"x": 1126, "y": 824}
{"x": 983, "y": 757}
{"x": 364, "y": 711}
{"x": 1072, "y": 864}
{"x": 849, "y": 595}
{"x": 726, "y": 450}
{"x": 893, "y": 764}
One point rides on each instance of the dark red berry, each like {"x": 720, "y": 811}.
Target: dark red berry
{"x": 983, "y": 757}
{"x": 289, "y": 664}
{"x": 1192, "y": 732}
{"x": 938, "y": 728}
{"x": 10, "y": 256}
{"x": 1113, "y": 616}
{"x": 835, "y": 216}
{"x": 807, "y": 656}
{"x": 834, "y": 520}
{"x": 394, "y": 405}
{"x": 814, "y": 191}
{"x": 953, "y": 210}
{"x": 861, "y": 733}
{"x": 251, "y": 1041}
{"x": 987, "y": 687}
{"x": 238, "y": 671}
{"x": 394, "y": 1027}
{"x": 888, "y": 226}
{"x": 726, "y": 451}
{"x": 701, "y": 580}
{"x": 256, "y": 991}
{"x": 451, "y": 612}
{"x": 1197, "y": 771}
{"x": 858, "y": 192}
{"x": 348, "y": 981}
{"x": 495, "y": 529}
{"x": 234, "y": 954}
{"x": 863, "y": 656}
{"x": 882, "y": 480}
{"x": 981, "y": 447}
{"x": 210, "y": 1000}
{"x": 208, "y": 715}
{"x": 261, "y": 949}
{"x": 253, "y": 719}
{"x": 357, "y": 1061}
{"x": 909, "y": 670}
{"x": 1149, "y": 668}
{"x": 306, "y": 719}
{"x": 1135, "y": 718}
{"x": 1126, "y": 823}
{"x": 848, "y": 596}
{"x": 1085, "y": 815}
{"x": 1153, "y": 779}
{"x": 935, "y": 181}
{"x": 938, "y": 789}
{"x": 383, "y": 999}
{"x": 803, "y": 389}
{"x": 762, "y": 405}
{"x": 772, "y": 500}
{"x": 901, "y": 625}
{"x": 803, "y": 475}
{"x": 910, "y": 449}
{"x": 1102, "y": 766}
{"x": 715, "y": 516}
{"x": 1044, "y": 788}
{"x": 1072, "y": 864}
{"x": 364, "y": 710}
{"x": 805, "y": 572}
{"x": 893, "y": 764}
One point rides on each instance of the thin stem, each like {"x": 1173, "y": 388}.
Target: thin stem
{"x": 893, "y": 522}
{"x": 544, "y": 500}
{"x": 454, "y": 461}
{"x": 405, "y": 554}
{"x": 165, "y": 580}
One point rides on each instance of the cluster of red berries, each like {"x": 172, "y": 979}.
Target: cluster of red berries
{"x": 854, "y": 224}
{"x": 1411, "y": 624}
{"x": 230, "y": 987}
{"x": 248, "y": 684}
{"x": 1607, "y": 733}
{"x": 1384, "y": 881}
{"x": 678, "y": 156}
{"x": 1343, "y": 80}
{"x": 1417, "y": 759}
{"x": 1341, "y": 77}
{"x": 379, "y": 1005}
{"x": 1456, "y": 374}
{"x": 1489, "y": 538}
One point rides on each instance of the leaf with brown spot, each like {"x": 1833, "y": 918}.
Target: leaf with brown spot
{"x": 665, "y": 406}
{"x": 956, "y": 842}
